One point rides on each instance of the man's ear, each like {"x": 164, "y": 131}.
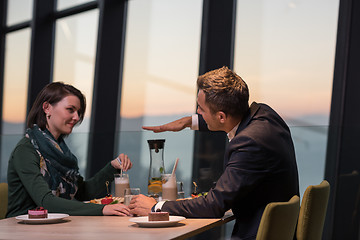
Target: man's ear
{"x": 222, "y": 117}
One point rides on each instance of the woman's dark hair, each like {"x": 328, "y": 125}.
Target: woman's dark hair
{"x": 53, "y": 93}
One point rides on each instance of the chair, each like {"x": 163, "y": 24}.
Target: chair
{"x": 313, "y": 211}
{"x": 3, "y": 199}
{"x": 279, "y": 219}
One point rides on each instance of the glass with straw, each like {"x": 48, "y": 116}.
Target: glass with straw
{"x": 121, "y": 182}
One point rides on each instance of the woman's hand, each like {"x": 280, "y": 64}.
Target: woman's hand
{"x": 125, "y": 165}
{"x": 116, "y": 209}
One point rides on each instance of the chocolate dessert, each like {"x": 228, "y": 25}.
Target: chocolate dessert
{"x": 38, "y": 213}
{"x": 158, "y": 216}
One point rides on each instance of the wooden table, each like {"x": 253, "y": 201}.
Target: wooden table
{"x": 105, "y": 228}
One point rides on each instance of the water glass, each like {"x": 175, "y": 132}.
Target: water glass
{"x": 129, "y": 193}
{"x": 180, "y": 189}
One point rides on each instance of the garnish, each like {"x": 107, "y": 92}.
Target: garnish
{"x": 114, "y": 202}
{"x": 107, "y": 189}
{"x": 195, "y": 189}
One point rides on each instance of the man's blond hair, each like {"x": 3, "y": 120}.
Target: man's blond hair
{"x": 225, "y": 91}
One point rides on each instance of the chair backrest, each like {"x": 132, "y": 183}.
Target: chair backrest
{"x": 3, "y": 199}
{"x": 279, "y": 219}
{"x": 313, "y": 211}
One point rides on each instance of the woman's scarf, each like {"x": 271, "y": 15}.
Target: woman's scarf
{"x": 58, "y": 165}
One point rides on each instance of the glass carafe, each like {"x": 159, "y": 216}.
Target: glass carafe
{"x": 156, "y": 167}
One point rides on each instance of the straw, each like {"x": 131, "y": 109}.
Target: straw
{"x": 121, "y": 170}
{"x": 175, "y": 166}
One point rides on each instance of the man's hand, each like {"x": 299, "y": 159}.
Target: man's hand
{"x": 116, "y": 209}
{"x": 141, "y": 205}
{"x": 174, "y": 126}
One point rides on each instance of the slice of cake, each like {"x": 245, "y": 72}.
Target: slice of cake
{"x": 158, "y": 216}
{"x": 38, "y": 213}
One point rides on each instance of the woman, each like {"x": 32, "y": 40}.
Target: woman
{"x": 42, "y": 171}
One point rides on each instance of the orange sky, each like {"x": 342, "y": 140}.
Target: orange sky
{"x": 291, "y": 73}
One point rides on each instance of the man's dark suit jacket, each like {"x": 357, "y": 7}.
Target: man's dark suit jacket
{"x": 260, "y": 168}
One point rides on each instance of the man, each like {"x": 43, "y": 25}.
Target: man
{"x": 260, "y": 165}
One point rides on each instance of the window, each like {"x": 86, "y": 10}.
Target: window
{"x": 159, "y": 84}
{"x": 19, "y": 11}
{"x": 285, "y": 51}
{"x": 63, "y": 4}
{"x": 15, "y": 93}
{"x": 75, "y": 49}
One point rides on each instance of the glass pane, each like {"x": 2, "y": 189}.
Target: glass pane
{"x": 285, "y": 51}
{"x": 15, "y": 93}
{"x": 75, "y": 50}
{"x": 17, "y": 52}
{"x": 63, "y": 4}
{"x": 19, "y": 11}
{"x": 159, "y": 82}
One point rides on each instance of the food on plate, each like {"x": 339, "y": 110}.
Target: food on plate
{"x": 158, "y": 216}
{"x": 108, "y": 200}
{"x": 196, "y": 195}
{"x": 39, "y": 212}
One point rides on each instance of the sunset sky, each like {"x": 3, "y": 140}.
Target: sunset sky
{"x": 284, "y": 50}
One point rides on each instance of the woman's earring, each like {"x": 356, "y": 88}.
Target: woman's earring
{"x": 48, "y": 116}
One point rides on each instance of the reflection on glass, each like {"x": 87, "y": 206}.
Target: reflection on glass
{"x": 159, "y": 84}
{"x": 310, "y": 148}
{"x": 19, "y": 11}
{"x": 74, "y": 63}
{"x": 8, "y": 143}
{"x": 63, "y": 4}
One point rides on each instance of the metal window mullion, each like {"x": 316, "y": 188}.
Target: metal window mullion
{"x": 3, "y": 14}
{"x": 42, "y": 48}
{"x": 107, "y": 83}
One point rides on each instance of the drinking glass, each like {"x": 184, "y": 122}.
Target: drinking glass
{"x": 129, "y": 193}
{"x": 121, "y": 183}
{"x": 180, "y": 189}
{"x": 169, "y": 188}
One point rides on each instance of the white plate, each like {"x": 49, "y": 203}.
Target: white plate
{"x": 144, "y": 221}
{"x": 52, "y": 218}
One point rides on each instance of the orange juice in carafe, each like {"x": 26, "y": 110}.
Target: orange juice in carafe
{"x": 156, "y": 167}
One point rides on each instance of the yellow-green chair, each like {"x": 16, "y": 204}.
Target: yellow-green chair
{"x": 3, "y": 199}
{"x": 279, "y": 219}
{"x": 313, "y": 212}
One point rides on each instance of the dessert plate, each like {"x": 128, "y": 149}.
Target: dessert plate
{"x": 52, "y": 218}
{"x": 144, "y": 221}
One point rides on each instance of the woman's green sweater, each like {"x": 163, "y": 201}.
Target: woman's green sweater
{"x": 28, "y": 189}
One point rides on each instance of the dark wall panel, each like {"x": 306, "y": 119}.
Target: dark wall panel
{"x": 343, "y": 160}
{"x": 42, "y": 48}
